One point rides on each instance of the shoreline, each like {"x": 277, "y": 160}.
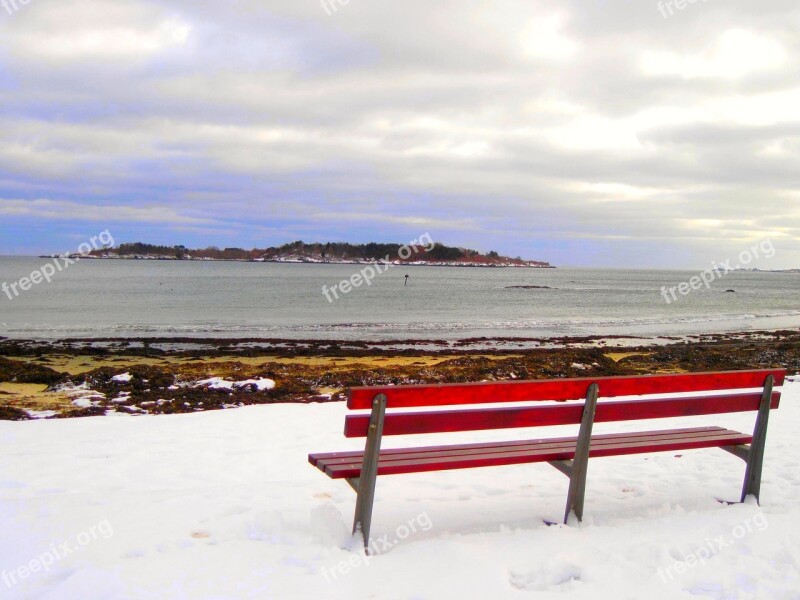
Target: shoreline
{"x": 112, "y": 376}
{"x": 292, "y": 346}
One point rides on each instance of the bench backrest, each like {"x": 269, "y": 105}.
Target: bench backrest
{"x": 448, "y": 420}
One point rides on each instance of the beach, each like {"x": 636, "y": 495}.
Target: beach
{"x": 95, "y": 377}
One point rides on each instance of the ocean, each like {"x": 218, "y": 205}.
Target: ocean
{"x": 114, "y": 298}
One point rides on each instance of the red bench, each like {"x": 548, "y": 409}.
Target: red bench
{"x": 568, "y": 454}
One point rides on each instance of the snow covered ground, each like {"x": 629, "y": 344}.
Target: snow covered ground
{"x": 223, "y": 504}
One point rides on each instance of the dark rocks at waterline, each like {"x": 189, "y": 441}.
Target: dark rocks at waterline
{"x": 11, "y": 413}
{"x": 529, "y": 287}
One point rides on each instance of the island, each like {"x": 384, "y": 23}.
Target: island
{"x": 756, "y": 270}
{"x": 432, "y": 254}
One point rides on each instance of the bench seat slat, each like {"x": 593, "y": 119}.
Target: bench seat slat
{"x": 414, "y": 460}
{"x": 389, "y": 452}
{"x": 558, "y": 389}
{"x": 446, "y": 421}
{"x": 526, "y": 446}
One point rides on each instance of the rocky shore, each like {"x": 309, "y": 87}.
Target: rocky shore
{"x": 89, "y": 377}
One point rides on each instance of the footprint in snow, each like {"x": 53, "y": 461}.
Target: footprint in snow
{"x": 552, "y": 576}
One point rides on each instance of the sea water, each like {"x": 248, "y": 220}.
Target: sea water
{"x": 133, "y": 298}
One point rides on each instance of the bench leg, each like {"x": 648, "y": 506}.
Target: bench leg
{"x": 365, "y": 484}
{"x": 755, "y": 457}
{"x": 579, "y": 465}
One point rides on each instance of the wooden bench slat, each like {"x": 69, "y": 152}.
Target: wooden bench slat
{"x": 393, "y": 452}
{"x": 447, "y": 421}
{"x": 642, "y": 442}
{"x": 529, "y": 445}
{"x": 558, "y": 389}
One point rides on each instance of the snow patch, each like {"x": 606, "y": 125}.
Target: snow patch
{"x": 218, "y": 383}
{"x": 41, "y": 414}
{"x": 215, "y": 383}
{"x": 260, "y": 384}
{"x": 85, "y": 402}
{"x": 123, "y": 397}
{"x": 81, "y": 395}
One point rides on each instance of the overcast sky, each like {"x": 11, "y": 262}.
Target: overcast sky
{"x": 593, "y": 133}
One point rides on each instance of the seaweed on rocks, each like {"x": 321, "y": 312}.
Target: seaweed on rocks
{"x": 11, "y": 413}
{"x": 184, "y": 378}
{"x": 15, "y": 371}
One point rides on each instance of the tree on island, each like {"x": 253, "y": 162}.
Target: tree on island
{"x": 319, "y": 252}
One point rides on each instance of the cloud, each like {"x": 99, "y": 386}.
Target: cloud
{"x": 573, "y": 128}
{"x": 74, "y": 211}
{"x": 735, "y": 53}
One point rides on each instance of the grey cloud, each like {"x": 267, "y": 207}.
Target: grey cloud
{"x": 519, "y": 118}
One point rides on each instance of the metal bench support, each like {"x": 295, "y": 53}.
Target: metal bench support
{"x": 755, "y": 458}
{"x": 365, "y": 483}
{"x": 576, "y": 468}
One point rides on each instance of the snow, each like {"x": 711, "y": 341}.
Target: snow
{"x": 41, "y": 414}
{"x": 81, "y": 395}
{"x": 84, "y": 402}
{"x": 223, "y": 505}
{"x": 218, "y": 383}
{"x": 122, "y": 378}
{"x": 260, "y": 384}
{"x": 215, "y": 383}
{"x": 123, "y": 397}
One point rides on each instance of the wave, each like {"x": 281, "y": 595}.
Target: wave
{"x": 552, "y": 326}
